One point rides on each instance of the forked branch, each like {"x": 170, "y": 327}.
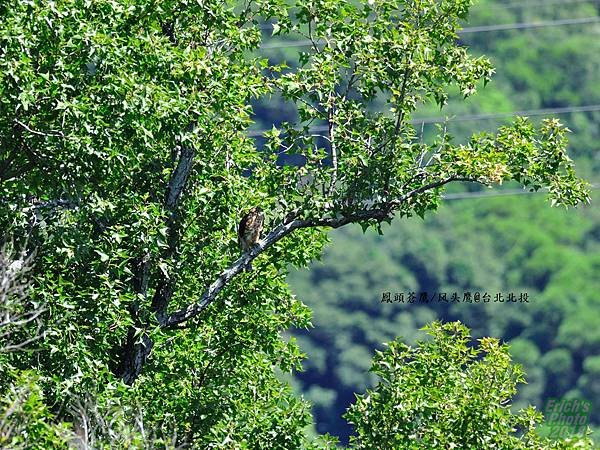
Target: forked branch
{"x": 381, "y": 213}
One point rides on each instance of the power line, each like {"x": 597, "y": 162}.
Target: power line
{"x": 528, "y": 25}
{"x": 480, "y": 29}
{"x": 475, "y": 117}
{"x": 268, "y": 26}
{"x": 504, "y": 193}
{"x": 501, "y": 115}
{"x": 524, "y": 5}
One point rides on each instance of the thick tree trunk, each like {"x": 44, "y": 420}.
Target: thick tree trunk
{"x": 134, "y": 357}
{"x": 136, "y": 349}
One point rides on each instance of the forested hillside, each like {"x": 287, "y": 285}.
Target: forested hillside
{"x": 480, "y": 242}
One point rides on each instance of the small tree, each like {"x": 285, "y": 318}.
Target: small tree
{"x": 447, "y": 393}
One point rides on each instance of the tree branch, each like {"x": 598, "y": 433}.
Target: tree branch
{"x": 135, "y": 352}
{"x": 177, "y": 183}
{"x": 284, "y": 229}
{"x": 332, "y": 143}
{"x": 179, "y": 178}
{"x": 56, "y": 203}
{"x": 40, "y": 133}
{"x": 238, "y": 266}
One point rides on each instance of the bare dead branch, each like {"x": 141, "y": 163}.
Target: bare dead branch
{"x": 113, "y": 426}
{"x": 15, "y": 311}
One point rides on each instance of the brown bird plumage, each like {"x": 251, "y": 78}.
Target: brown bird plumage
{"x": 250, "y": 228}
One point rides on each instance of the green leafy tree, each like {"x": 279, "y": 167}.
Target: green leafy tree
{"x": 126, "y": 163}
{"x": 446, "y": 393}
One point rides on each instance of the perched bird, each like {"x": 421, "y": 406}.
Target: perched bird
{"x": 249, "y": 230}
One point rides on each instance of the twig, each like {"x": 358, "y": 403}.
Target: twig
{"x": 40, "y": 133}
{"x": 334, "y": 159}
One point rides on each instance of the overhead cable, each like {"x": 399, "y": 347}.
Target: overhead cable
{"x": 468, "y": 30}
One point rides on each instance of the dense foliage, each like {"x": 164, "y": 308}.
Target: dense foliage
{"x": 126, "y": 165}
{"x": 446, "y": 393}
